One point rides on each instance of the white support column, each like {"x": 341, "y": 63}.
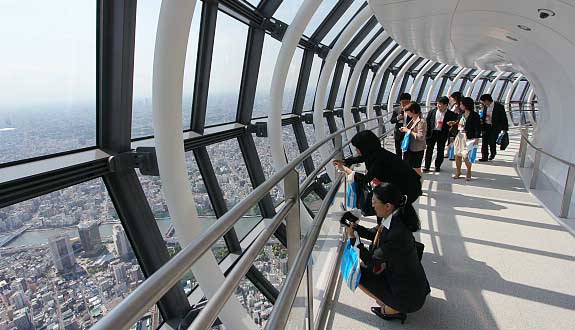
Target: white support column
{"x": 530, "y": 98}
{"x": 377, "y": 81}
{"x": 494, "y": 82}
{"x": 470, "y": 88}
{"x": 419, "y": 77}
{"x": 330, "y": 61}
{"x": 509, "y": 96}
{"x": 167, "y": 88}
{"x": 397, "y": 81}
{"x": 440, "y": 74}
{"x": 353, "y": 80}
{"x": 456, "y": 79}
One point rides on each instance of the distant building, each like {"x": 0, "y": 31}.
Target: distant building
{"x": 62, "y": 254}
{"x": 90, "y": 237}
{"x": 22, "y": 320}
{"x": 120, "y": 273}
{"x": 121, "y": 244}
{"x": 18, "y": 300}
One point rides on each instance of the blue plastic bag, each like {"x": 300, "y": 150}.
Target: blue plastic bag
{"x": 472, "y": 154}
{"x": 500, "y": 138}
{"x": 405, "y": 142}
{"x": 350, "y": 266}
{"x": 451, "y": 152}
{"x": 351, "y": 193}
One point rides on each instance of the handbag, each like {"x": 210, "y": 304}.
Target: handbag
{"x": 472, "y": 154}
{"x": 419, "y": 247}
{"x": 405, "y": 142}
{"x": 350, "y": 267}
{"x": 364, "y": 194}
{"x": 503, "y": 140}
{"x": 351, "y": 192}
{"x": 451, "y": 152}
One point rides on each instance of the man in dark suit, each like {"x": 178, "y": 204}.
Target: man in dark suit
{"x": 399, "y": 119}
{"x": 438, "y": 132}
{"x": 493, "y": 122}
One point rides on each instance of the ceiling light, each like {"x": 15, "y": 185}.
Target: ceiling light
{"x": 511, "y": 38}
{"x": 524, "y": 28}
{"x": 545, "y": 13}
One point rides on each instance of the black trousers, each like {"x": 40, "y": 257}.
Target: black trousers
{"x": 488, "y": 142}
{"x": 398, "y": 137}
{"x": 436, "y": 138}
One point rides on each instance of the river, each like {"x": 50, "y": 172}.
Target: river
{"x": 36, "y": 237}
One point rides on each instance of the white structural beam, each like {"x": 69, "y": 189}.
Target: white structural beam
{"x": 471, "y": 86}
{"x": 440, "y": 74}
{"x": 320, "y": 102}
{"x": 456, "y": 79}
{"x": 494, "y": 82}
{"x": 353, "y": 80}
{"x": 397, "y": 81}
{"x": 167, "y": 89}
{"x": 420, "y": 75}
{"x": 377, "y": 81}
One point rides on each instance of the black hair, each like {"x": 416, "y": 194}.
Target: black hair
{"x": 443, "y": 100}
{"x": 468, "y": 103}
{"x": 486, "y": 97}
{"x": 457, "y": 97}
{"x": 413, "y": 107}
{"x": 387, "y": 192}
{"x": 405, "y": 97}
{"x": 367, "y": 142}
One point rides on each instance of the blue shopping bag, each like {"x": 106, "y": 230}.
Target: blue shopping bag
{"x": 472, "y": 154}
{"x": 351, "y": 192}
{"x": 350, "y": 266}
{"x": 451, "y": 152}
{"x": 405, "y": 142}
{"x": 500, "y": 138}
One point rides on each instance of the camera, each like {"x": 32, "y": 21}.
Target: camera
{"x": 544, "y": 13}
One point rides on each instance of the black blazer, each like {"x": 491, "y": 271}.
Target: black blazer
{"x": 499, "y": 120}
{"x": 403, "y": 271}
{"x": 398, "y": 135}
{"x": 472, "y": 125}
{"x": 449, "y": 116}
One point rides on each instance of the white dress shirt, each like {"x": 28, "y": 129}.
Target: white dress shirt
{"x": 439, "y": 116}
{"x": 489, "y": 114}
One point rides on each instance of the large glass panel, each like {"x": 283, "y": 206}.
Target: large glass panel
{"x": 310, "y": 136}
{"x": 321, "y": 13}
{"x": 519, "y": 90}
{"x": 476, "y": 88}
{"x": 364, "y": 42}
{"x": 385, "y": 52}
{"x": 292, "y": 149}
{"x": 342, "y": 86}
{"x": 312, "y": 83}
{"x": 342, "y": 21}
{"x": 146, "y": 25}
{"x": 226, "y": 74}
{"x": 366, "y": 88}
{"x": 48, "y": 80}
{"x": 265, "y": 157}
{"x": 68, "y": 252}
{"x": 287, "y": 10}
{"x": 410, "y": 80}
{"x": 498, "y": 86}
{"x": 387, "y": 89}
{"x": 269, "y": 57}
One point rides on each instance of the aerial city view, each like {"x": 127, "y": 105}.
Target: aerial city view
{"x": 65, "y": 259}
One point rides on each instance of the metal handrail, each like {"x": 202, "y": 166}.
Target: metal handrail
{"x": 569, "y": 180}
{"x": 160, "y": 282}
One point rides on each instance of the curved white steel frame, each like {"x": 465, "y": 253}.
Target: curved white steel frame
{"x": 352, "y": 82}
{"x": 510, "y": 95}
{"x": 329, "y": 64}
{"x": 398, "y": 79}
{"x": 419, "y": 76}
{"x": 289, "y": 44}
{"x": 377, "y": 81}
{"x": 494, "y": 82}
{"x": 530, "y": 98}
{"x": 167, "y": 87}
{"x": 471, "y": 86}
{"x": 461, "y": 73}
{"x": 440, "y": 74}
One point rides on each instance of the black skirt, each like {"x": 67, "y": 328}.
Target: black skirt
{"x": 414, "y": 158}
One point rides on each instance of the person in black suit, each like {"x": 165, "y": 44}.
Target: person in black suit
{"x": 469, "y": 132}
{"x": 493, "y": 121}
{"x": 438, "y": 132}
{"x": 398, "y": 118}
{"x": 391, "y": 271}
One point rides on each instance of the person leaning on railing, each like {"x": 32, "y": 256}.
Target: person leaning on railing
{"x": 391, "y": 271}
{"x": 383, "y": 166}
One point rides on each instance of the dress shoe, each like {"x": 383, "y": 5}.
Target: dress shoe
{"x": 425, "y": 170}
{"x": 483, "y": 159}
{"x": 388, "y": 317}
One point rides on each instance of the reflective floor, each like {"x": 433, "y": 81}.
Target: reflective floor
{"x": 494, "y": 257}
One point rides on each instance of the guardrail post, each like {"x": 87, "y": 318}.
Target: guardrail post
{"x": 310, "y": 294}
{"x": 523, "y": 147}
{"x": 293, "y": 225}
{"x": 567, "y": 192}
{"x": 536, "y": 162}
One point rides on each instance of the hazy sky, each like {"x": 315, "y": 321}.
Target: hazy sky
{"x": 49, "y": 50}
